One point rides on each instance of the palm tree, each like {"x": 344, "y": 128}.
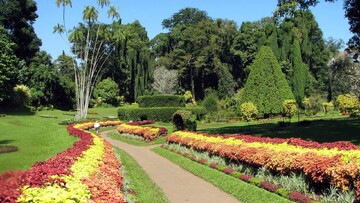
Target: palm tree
{"x": 64, "y": 3}
{"x": 113, "y": 12}
{"x": 103, "y": 3}
{"x": 90, "y": 14}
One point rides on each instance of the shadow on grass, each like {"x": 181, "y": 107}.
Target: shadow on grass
{"x": 317, "y": 130}
{"x": 16, "y": 111}
{"x": 3, "y": 142}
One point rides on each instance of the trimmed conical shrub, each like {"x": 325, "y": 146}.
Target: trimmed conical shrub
{"x": 266, "y": 85}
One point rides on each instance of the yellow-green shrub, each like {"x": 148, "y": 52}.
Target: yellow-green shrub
{"x": 248, "y": 111}
{"x": 348, "y": 104}
{"x": 327, "y": 106}
{"x": 289, "y": 108}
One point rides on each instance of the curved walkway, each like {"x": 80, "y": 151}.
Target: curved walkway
{"x": 177, "y": 184}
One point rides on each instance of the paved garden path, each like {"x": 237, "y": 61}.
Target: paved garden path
{"x": 177, "y": 184}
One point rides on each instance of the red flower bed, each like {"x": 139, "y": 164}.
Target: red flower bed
{"x": 40, "y": 174}
{"x": 144, "y": 122}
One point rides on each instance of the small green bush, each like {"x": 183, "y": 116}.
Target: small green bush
{"x": 289, "y": 108}
{"x": 22, "y": 95}
{"x": 163, "y": 114}
{"x": 248, "y": 111}
{"x": 161, "y": 100}
{"x": 282, "y": 192}
{"x": 184, "y": 120}
{"x": 255, "y": 181}
{"x": 327, "y": 106}
{"x": 235, "y": 174}
{"x": 211, "y": 103}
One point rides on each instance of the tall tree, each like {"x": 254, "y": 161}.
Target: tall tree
{"x": 17, "y": 17}
{"x": 8, "y": 65}
{"x": 185, "y": 16}
{"x": 88, "y": 41}
{"x": 266, "y": 85}
{"x": 299, "y": 74}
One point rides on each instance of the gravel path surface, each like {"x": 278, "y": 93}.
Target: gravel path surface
{"x": 177, "y": 184}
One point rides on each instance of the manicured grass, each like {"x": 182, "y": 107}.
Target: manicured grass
{"x": 147, "y": 191}
{"x": 239, "y": 189}
{"x": 38, "y": 136}
{"x": 321, "y": 130}
{"x": 115, "y": 135}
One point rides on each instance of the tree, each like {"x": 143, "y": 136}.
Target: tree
{"x": 226, "y": 83}
{"x": 185, "y": 16}
{"x": 344, "y": 75}
{"x": 107, "y": 90}
{"x": 199, "y": 48}
{"x": 17, "y": 17}
{"x": 88, "y": 47}
{"x": 287, "y": 8}
{"x": 165, "y": 81}
{"x": 266, "y": 85}
{"x": 8, "y": 65}
{"x": 299, "y": 74}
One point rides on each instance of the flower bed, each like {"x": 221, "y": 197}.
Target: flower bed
{"x": 144, "y": 122}
{"x": 87, "y": 170}
{"x": 336, "y": 163}
{"x": 148, "y": 133}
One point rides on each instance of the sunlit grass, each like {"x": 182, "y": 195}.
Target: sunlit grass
{"x": 37, "y": 136}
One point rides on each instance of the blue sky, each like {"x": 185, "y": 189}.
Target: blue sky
{"x": 150, "y": 13}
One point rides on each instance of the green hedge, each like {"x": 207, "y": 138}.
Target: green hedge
{"x": 184, "y": 120}
{"x": 161, "y": 100}
{"x": 163, "y": 114}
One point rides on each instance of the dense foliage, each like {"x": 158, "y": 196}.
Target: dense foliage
{"x": 248, "y": 111}
{"x": 184, "y": 120}
{"x": 197, "y": 53}
{"x": 156, "y": 113}
{"x": 161, "y": 100}
{"x": 107, "y": 91}
{"x": 266, "y": 86}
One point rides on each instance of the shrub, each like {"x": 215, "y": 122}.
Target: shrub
{"x": 282, "y": 192}
{"x": 327, "y": 106}
{"x": 289, "y": 108}
{"x": 211, "y": 103}
{"x": 107, "y": 90}
{"x": 312, "y": 104}
{"x": 158, "y": 114}
{"x": 348, "y": 104}
{"x": 255, "y": 181}
{"x": 188, "y": 97}
{"x": 248, "y": 111}
{"x": 184, "y": 120}
{"x": 22, "y": 95}
{"x": 266, "y": 85}
{"x": 161, "y": 100}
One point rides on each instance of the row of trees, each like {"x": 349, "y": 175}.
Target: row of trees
{"x": 198, "y": 53}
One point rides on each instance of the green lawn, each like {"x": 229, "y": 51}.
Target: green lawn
{"x": 38, "y": 138}
{"x": 239, "y": 189}
{"x": 320, "y": 130}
